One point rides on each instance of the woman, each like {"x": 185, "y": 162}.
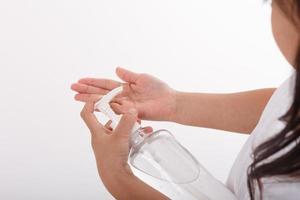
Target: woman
{"x": 268, "y": 167}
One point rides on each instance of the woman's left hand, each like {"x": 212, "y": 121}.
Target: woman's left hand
{"x": 111, "y": 147}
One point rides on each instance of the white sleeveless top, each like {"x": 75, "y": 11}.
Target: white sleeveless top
{"x": 269, "y": 124}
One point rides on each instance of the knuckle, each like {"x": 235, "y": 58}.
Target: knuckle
{"x": 83, "y": 114}
{"x": 84, "y": 88}
{"x": 95, "y": 142}
{"x": 128, "y": 118}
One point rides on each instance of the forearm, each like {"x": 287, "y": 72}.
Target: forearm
{"x": 237, "y": 112}
{"x": 126, "y": 186}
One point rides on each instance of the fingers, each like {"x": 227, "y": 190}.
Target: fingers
{"x": 126, "y": 75}
{"x": 121, "y": 107}
{"x": 126, "y": 123}
{"x": 105, "y": 84}
{"x": 117, "y": 108}
{"x": 83, "y": 88}
{"x": 148, "y": 129}
{"x": 90, "y": 119}
{"x": 88, "y": 97}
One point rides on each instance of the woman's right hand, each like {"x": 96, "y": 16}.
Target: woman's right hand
{"x": 153, "y": 99}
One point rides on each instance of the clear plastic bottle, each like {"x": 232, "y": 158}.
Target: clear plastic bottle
{"x": 161, "y": 156}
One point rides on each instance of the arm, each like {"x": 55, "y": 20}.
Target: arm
{"x": 238, "y": 112}
{"x": 125, "y": 186}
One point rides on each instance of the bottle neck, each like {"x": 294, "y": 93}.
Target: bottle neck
{"x": 137, "y": 137}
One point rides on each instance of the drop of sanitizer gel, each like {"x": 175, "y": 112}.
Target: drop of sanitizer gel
{"x": 161, "y": 156}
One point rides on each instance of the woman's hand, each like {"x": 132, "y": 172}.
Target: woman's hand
{"x": 153, "y": 99}
{"x": 111, "y": 149}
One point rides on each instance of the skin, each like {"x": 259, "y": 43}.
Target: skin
{"x": 286, "y": 34}
{"x": 148, "y": 98}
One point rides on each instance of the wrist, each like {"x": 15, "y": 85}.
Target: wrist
{"x": 115, "y": 172}
{"x": 124, "y": 185}
{"x": 117, "y": 182}
{"x": 176, "y": 106}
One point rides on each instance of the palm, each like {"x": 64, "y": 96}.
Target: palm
{"x": 153, "y": 99}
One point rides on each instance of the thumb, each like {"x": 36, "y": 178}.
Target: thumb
{"x": 126, "y": 75}
{"x": 126, "y": 123}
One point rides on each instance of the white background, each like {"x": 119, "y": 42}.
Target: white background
{"x": 45, "y": 45}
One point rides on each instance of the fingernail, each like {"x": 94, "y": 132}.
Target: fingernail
{"x": 132, "y": 111}
{"x": 73, "y": 86}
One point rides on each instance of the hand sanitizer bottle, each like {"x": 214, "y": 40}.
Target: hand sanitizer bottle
{"x": 161, "y": 156}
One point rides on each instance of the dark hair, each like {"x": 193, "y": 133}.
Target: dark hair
{"x": 287, "y": 165}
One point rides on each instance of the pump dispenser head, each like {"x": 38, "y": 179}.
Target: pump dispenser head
{"x": 104, "y": 107}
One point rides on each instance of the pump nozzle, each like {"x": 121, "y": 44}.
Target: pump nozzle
{"x": 104, "y": 107}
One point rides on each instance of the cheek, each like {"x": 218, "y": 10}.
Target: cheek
{"x": 285, "y": 34}
{"x": 277, "y": 34}
{"x": 277, "y": 29}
